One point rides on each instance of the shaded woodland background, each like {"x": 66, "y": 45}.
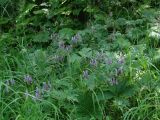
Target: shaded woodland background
{"x": 79, "y": 59}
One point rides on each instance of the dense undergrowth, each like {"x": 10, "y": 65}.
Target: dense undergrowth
{"x": 79, "y": 60}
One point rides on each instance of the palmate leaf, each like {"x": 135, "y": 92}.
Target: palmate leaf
{"x": 122, "y": 43}
{"x": 121, "y": 102}
{"x": 86, "y": 52}
{"x": 66, "y": 33}
{"x": 87, "y": 107}
{"x": 74, "y": 58}
{"x": 104, "y": 95}
{"x": 123, "y": 89}
{"x": 135, "y": 33}
{"x": 38, "y": 63}
{"x": 91, "y": 82}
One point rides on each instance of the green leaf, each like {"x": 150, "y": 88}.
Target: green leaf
{"x": 88, "y": 107}
{"x": 26, "y": 10}
{"x": 122, "y": 43}
{"x": 91, "y": 9}
{"x": 105, "y": 95}
{"x": 41, "y": 37}
{"x": 4, "y": 20}
{"x": 86, "y": 52}
{"x": 42, "y": 11}
{"x": 91, "y": 82}
{"x": 66, "y": 33}
{"x": 74, "y": 58}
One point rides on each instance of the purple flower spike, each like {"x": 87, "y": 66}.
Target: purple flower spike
{"x": 75, "y": 38}
{"x": 111, "y": 14}
{"x": 68, "y": 48}
{"x": 85, "y": 74}
{"x": 12, "y": 81}
{"x": 109, "y": 62}
{"x": 7, "y": 85}
{"x": 26, "y": 94}
{"x": 93, "y": 62}
{"x": 113, "y": 81}
{"x": 61, "y": 45}
{"x": 46, "y": 86}
{"x": 100, "y": 56}
{"x": 119, "y": 70}
{"x": 58, "y": 58}
{"x": 28, "y": 79}
{"x": 37, "y": 93}
{"x": 121, "y": 60}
